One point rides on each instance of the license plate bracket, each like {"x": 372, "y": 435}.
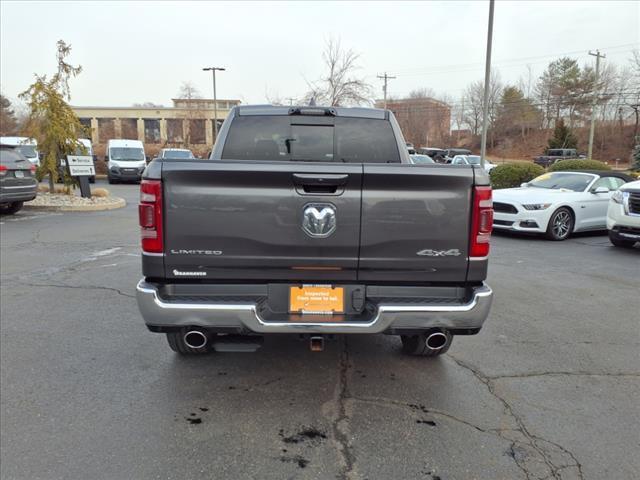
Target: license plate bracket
{"x": 316, "y": 299}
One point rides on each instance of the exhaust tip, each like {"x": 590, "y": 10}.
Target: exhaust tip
{"x": 437, "y": 340}
{"x": 195, "y": 339}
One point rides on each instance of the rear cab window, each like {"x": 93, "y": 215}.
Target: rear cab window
{"x": 319, "y": 139}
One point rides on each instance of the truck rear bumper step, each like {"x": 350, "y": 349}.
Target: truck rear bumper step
{"x": 244, "y": 316}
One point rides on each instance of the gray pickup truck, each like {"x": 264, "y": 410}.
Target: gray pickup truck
{"x": 555, "y": 155}
{"x": 313, "y": 221}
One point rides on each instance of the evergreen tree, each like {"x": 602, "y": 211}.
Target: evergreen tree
{"x": 8, "y": 122}
{"x": 563, "y": 137}
{"x": 51, "y": 120}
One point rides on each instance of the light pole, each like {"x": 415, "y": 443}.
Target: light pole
{"x": 487, "y": 81}
{"x": 215, "y": 100}
{"x": 598, "y": 56}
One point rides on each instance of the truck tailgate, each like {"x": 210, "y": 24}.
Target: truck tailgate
{"x": 244, "y": 221}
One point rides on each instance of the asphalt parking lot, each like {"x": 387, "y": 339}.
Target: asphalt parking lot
{"x": 548, "y": 390}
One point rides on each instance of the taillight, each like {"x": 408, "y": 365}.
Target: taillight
{"x": 481, "y": 222}
{"x": 33, "y": 169}
{"x": 3, "y": 170}
{"x": 150, "y": 215}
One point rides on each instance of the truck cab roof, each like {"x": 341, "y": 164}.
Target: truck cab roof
{"x": 355, "y": 112}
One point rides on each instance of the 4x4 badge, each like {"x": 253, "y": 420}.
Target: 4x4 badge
{"x": 453, "y": 252}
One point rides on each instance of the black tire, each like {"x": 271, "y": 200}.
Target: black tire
{"x": 11, "y": 208}
{"x": 176, "y": 343}
{"x": 416, "y": 345}
{"x": 560, "y": 225}
{"x": 619, "y": 242}
{"x": 110, "y": 180}
{"x": 92, "y": 179}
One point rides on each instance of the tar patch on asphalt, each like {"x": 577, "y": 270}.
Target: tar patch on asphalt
{"x": 298, "y": 459}
{"x": 418, "y": 407}
{"x": 431, "y": 423}
{"x": 310, "y": 434}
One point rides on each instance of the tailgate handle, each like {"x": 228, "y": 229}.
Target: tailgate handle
{"x": 313, "y": 179}
{"x": 319, "y": 184}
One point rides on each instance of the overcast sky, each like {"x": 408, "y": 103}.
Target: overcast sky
{"x": 133, "y": 52}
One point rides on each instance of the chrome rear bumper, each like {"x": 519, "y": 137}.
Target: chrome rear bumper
{"x": 160, "y": 313}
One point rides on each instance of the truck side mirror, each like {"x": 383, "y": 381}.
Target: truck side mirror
{"x": 524, "y": 185}
{"x": 600, "y": 190}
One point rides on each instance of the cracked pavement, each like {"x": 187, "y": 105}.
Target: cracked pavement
{"x": 548, "y": 389}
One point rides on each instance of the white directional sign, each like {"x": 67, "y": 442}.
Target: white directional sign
{"x": 80, "y": 160}
{"x": 77, "y": 170}
{"x": 80, "y": 165}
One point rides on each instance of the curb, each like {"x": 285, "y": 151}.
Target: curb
{"x": 118, "y": 203}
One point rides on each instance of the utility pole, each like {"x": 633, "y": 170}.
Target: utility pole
{"x": 487, "y": 87}
{"x": 598, "y": 56}
{"x": 386, "y": 78}
{"x": 215, "y": 100}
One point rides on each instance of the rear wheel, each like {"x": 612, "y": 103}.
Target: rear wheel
{"x": 10, "y": 208}
{"x": 619, "y": 242}
{"x": 416, "y": 345}
{"x": 560, "y": 224}
{"x": 110, "y": 180}
{"x": 177, "y": 343}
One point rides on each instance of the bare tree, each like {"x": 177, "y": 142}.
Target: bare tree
{"x": 422, "y": 93}
{"x": 189, "y": 91}
{"x": 339, "y": 86}
{"x": 474, "y": 99}
{"x": 526, "y": 82}
{"x": 193, "y": 114}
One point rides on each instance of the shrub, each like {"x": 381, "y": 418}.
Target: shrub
{"x": 99, "y": 192}
{"x": 513, "y": 174}
{"x": 567, "y": 165}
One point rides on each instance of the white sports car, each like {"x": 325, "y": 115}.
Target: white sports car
{"x": 557, "y": 203}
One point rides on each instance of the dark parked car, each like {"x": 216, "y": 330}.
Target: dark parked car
{"x": 437, "y": 154}
{"x": 555, "y": 155}
{"x": 449, "y": 153}
{"x": 17, "y": 180}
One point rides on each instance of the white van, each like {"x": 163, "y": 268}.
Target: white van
{"x": 125, "y": 160}
{"x": 27, "y": 146}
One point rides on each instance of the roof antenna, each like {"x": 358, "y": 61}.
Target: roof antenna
{"x": 312, "y": 102}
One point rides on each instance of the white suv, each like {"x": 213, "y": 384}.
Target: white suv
{"x": 623, "y": 215}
